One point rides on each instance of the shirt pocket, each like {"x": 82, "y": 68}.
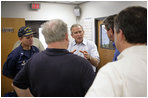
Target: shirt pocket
{"x": 22, "y": 61}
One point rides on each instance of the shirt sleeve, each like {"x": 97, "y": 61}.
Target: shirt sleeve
{"x": 9, "y": 68}
{"x": 22, "y": 78}
{"x": 94, "y": 52}
{"x": 107, "y": 83}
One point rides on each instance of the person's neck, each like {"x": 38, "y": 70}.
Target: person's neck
{"x": 78, "y": 42}
{"x": 25, "y": 47}
{"x": 57, "y": 45}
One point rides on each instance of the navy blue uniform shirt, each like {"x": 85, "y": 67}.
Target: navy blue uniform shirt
{"x": 56, "y": 73}
{"x": 16, "y": 60}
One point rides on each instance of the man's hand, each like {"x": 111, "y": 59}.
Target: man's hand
{"x": 22, "y": 92}
{"x": 73, "y": 51}
{"x": 92, "y": 60}
{"x": 86, "y": 55}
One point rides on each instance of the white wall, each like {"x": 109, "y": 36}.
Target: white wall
{"x": 47, "y": 11}
{"x": 96, "y": 9}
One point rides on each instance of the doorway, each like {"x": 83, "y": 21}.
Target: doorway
{"x": 106, "y": 55}
{"x": 9, "y": 35}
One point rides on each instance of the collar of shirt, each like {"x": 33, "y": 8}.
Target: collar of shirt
{"x": 54, "y": 51}
{"x": 114, "y": 45}
{"x": 83, "y": 42}
{"x": 24, "y": 53}
{"x": 32, "y": 48}
{"x": 134, "y": 50}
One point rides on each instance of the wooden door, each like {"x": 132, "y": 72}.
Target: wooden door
{"x": 9, "y": 29}
{"x": 106, "y": 55}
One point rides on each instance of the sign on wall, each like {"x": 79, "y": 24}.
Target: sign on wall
{"x": 87, "y": 26}
{"x": 7, "y": 29}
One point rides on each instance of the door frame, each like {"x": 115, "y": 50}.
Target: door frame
{"x": 96, "y": 29}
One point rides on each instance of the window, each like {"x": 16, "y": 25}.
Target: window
{"x": 105, "y": 42}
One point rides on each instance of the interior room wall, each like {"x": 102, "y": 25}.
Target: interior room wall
{"x": 47, "y": 11}
{"x": 96, "y": 9}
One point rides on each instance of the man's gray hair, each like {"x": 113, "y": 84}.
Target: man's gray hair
{"x": 54, "y": 30}
{"x": 75, "y": 25}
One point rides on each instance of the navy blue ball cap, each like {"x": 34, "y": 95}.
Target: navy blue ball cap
{"x": 24, "y": 31}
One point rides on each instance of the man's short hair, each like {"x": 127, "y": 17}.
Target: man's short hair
{"x": 109, "y": 22}
{"x": 54, "y": 30}
{"x": 75, "y": 25}
{"x": 133, "y": 22}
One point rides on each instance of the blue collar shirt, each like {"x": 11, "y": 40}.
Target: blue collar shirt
{"x": 16, "y": 60}
{"x": 116, "y": 53}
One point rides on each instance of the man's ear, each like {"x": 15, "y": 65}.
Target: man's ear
{"x": 83, "y": 32}
{"x": 121, "y": 35}
{"x": 66, "y": 37}
{"x": 112, "y": 33}
{"x": 71, "y": 35}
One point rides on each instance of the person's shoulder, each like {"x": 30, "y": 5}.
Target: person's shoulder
{"x": 74, "y": 56}
{"x": 89, "y": 41}
{"x": 35, "y": 48}
{"x": 16, "y": 52}
{"x": 113, "y": 67}
{"x": 108, "y": 66}
{"x": 78, "y": 59}
{"x": 71, "y": 42}
{"x": 37, "y": 56}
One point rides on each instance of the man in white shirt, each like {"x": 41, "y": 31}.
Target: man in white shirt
{"x": 126, "y": 77}
{"x": 83, "y": 47}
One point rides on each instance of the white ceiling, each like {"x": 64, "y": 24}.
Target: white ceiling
{"x": 67, "y": 2}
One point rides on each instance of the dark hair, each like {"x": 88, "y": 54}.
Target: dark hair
{"x": 109, "y": 22}
{"x": 75, "y": 25}
{"x": 133, "y": 22}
